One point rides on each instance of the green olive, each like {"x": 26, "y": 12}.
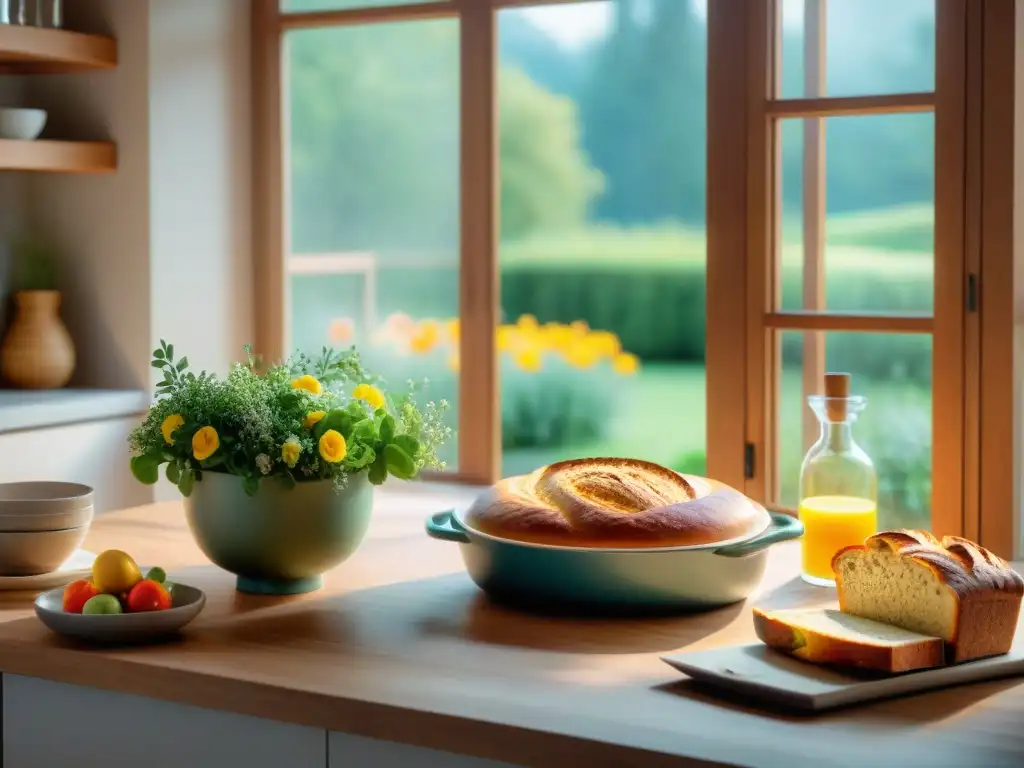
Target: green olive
{"x": 157, "y": 574}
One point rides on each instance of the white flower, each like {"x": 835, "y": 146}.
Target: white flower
{"x": 263, "y": 462}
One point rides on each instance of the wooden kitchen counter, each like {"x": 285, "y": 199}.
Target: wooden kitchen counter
{"x": 400, "y": 645}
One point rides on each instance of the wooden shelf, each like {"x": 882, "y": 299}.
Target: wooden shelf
{"x": 39, "y": 51}
{"x": 58, "y": 156}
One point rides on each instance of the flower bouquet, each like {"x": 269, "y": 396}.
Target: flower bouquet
{"x": 277, "y": 468}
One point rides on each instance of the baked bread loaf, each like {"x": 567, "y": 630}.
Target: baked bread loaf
{"x": 825, "y": 636}
{"x": 614, "y": 503}
{"x": 953, "y": 589}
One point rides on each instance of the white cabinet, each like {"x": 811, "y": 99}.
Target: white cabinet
{"x": 47, "y": 724}
{"x": 347, "y": 751}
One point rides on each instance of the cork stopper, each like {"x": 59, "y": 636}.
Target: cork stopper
{"x": 837, "y": 390}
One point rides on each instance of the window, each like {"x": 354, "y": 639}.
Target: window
{"x": 601, "y": 114}
{"x": 649, "y": 227}
{"x": 372, "y": 141}
{"x": 845, "y": 267}
{"x": 853, "y": 209}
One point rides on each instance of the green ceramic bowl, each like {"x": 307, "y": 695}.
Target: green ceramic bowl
{"x": 279, "y": 541}
{"x": 664, "y": 579}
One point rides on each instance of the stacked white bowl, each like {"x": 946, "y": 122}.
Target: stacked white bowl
{"x": 41, "y": 525}
{"x": 21, "y": 124}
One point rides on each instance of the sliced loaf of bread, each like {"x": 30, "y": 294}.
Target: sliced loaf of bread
{"x": 953, "y": 589}
{"x": 825, "y": 636}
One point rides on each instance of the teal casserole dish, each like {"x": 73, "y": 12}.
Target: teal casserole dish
{"x": 619, "y": 578}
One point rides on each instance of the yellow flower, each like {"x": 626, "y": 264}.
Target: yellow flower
{"x": 308, "y": 383}
{"x": 557, "y": 336}
{"x": 373, "y": 396}
{"x": 581, "y": 356}
{"x": 527, "y": 322}
{"x": 332, "y": 446}
{"x": 453, "y": 362}
{"x": 453, "y": 330}
{"x": 312, "y": 418}
{"x": 505, "y": 336}
{"x": 605, "y": 342}
{"x": 205, "y": 443}
{"x": 290, "y": 452}
{"x": 170, "y": 424}
{"x": 626, "y": 364}
{"x": 529, "y": 360}
{"x": 425, "y": 338}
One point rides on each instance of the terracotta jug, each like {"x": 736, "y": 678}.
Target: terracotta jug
{"x": 37, "y": 352}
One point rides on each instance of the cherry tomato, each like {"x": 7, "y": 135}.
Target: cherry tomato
{"x": 148, "y": 595}
{"x": 76, "y": 594}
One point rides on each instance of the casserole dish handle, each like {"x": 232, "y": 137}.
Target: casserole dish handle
{"x": 781, "y": 528}
{"x": 441, "y": 525}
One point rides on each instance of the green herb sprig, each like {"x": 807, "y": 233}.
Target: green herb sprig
{"x": 272, "y": 425}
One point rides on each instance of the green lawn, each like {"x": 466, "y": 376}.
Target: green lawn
{"x": 661, "y": 418}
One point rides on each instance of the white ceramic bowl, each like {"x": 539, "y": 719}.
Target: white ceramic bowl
{"x": 44, "y": 506}
{"x": 28, "y": 553}
{"x": 21, "y": 123}
{"x": 122, "y": 627}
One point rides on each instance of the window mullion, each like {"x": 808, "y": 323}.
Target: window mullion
{"x": 814, "y": 210}
{"x": 948, "y": 350}
{"x": 762, "y": 152}
{"x": 728, "y": 198}
{"x": 847, "y": 106}
{"x": 269, "y": 200}
{"x": 479, "y": 405}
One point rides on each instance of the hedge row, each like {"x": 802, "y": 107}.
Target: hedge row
{"x": 658, "y": 311}
{"x": 660, "y": 314}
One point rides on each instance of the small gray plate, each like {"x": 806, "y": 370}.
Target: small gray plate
{"x": 123, "y": 627}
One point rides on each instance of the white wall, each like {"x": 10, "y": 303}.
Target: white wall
{"x": 200, "y": 163}
{"x": 161, "y": 247}
{"x": 100, "y": 224}
{"x": 199, "y": 106}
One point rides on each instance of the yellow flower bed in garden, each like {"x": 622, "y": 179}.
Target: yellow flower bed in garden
{"x": 527, "y": 343}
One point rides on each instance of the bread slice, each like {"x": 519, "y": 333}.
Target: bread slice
{"x": 825, "y": 636}
{"x": 953, "y": 589}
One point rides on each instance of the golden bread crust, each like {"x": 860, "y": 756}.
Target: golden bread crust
{"x": 612, "y": 503}
{"x": 986, "y": 591}
{"x": 964, "y": 566}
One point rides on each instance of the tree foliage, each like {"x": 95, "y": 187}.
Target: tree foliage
{"x": 546, "y": 181}
{"x": 612, "y": 131}
{"x": 375, "y": 143}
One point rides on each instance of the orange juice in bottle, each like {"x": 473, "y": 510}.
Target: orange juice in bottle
{"x": 838, "y": 483}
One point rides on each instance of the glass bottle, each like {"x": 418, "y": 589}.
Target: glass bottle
{"x": 838, "y": 483}
{"x": 49, "y": 13}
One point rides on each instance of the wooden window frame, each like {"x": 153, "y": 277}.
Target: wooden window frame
{"x": 976, "y": 442}
{"x": 975, "y": 456}
{"x": 945, "y": 324}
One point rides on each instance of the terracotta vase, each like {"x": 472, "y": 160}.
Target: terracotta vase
{"x": 37, "y": 352}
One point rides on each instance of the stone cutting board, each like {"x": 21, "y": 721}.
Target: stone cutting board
{"x": 769, "y": 677}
